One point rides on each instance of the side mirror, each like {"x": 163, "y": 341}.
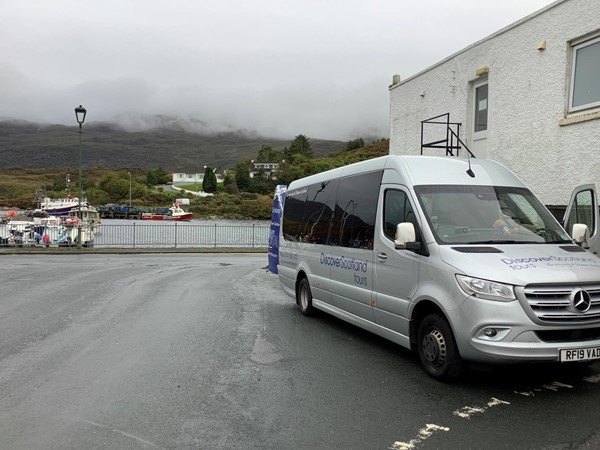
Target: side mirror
{"x": 581, "y": 235}
{"x": 405, "y": 234}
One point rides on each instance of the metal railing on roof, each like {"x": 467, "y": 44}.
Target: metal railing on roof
{"x": 451, "y": 143}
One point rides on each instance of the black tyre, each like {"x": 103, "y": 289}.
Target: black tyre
{"x": 437, "y": 349}
{"x": 304, "y": 298}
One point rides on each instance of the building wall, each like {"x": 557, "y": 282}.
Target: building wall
{"x": 527, "y": 101}
{"x": 190, "y": 178}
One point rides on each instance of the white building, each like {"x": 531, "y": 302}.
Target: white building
{"x": 267, "y": 169}
{"x": 181, "y": 177}
{"x": 527, "y": 96}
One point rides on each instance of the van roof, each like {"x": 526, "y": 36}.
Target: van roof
{"x": 425, "y": 170}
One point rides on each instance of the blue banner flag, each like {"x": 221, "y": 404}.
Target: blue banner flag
{"x": 276, "y": 215}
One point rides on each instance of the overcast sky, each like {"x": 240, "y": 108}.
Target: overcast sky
{"x": 280, "y": 67}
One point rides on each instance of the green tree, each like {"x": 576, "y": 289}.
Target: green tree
{"x": 355, "y": 144}
{"x": 229, "y": 183}
{"x": 242, "y": 176}
{"x": 157, "y": 176}
{"x": 299, "y": 146}
{"x": 269, "y": 154}
{"x": 209, "y": 182}
{"x": 115, "y": 185}
{"x": 288, "y": 173}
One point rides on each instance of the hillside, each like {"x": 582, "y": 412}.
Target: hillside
{"x": 29, "y": 145}
{"x": 101, "y": 186}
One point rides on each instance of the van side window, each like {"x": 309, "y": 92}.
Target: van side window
{"x": 582, "y": 211}
{"x": 355, "y": 211}
{"x": 292, "y": 213}
{"x": 320, "y": 203}
{"x": 396, "y": 209}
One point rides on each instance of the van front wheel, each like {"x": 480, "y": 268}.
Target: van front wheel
{"x": 437, "y": 349}
{"x": 305, "y": 298}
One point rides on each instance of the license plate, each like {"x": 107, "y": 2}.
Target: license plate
{"x": 579, "y": 354}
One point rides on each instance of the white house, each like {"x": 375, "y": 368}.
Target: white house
{"x": 267, "y": 169}
{"x": 181, "y": 177}
{"x": 527, "y": 96}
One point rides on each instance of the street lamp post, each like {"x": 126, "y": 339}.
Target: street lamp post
{"x": 129, "y": 173}
{"x": 80, "y": 113}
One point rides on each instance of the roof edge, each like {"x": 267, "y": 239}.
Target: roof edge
{"x": 481, "y": 41}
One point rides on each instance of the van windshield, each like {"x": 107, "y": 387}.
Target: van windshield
{"x": 488, "y": 215}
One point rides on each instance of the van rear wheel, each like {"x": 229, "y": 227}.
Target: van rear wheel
{"x": 437, "y": 349}
{"x": 304, "y": 298}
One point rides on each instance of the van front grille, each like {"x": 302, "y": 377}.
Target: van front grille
{"x": 556, "y": 303}
{"x": 576, "y": 335}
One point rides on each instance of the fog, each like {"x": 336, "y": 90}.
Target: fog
{"x": 277, "y": 67}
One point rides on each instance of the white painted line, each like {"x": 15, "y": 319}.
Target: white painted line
{"x": 121, "y": 432}
{"x": 526, "y": 394}
{"x": 593, "y": 379}
{"x": 496, "y": 402}
{"x": 467, "y": 411}
{"x": 550, "y": 387}
{"x": 424, "y": 434}
{"x": 559, "y": 384}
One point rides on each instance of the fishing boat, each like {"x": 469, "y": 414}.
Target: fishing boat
{"x": 87, "y": 214}
{"x": 175, "y": 212}
{"x": 61, "y": 206}
{"x": 51, "y": 230}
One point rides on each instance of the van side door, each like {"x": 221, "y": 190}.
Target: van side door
{"x": 396, "y": 271}
{"x": 583, "y": 208}
{"x": 350, "y": 252}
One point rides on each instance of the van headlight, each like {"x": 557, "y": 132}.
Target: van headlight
{"x": 486, "y": 289}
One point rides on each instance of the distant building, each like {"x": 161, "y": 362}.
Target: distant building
{"x": 527, "y": 96}
{"x": 181, "y": 177}
{"x": 267, "y": 169}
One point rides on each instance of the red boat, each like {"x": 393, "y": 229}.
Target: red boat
{"x": 175, "y": 212}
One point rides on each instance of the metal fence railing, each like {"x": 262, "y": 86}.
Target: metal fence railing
{"x": 163, "y": 235}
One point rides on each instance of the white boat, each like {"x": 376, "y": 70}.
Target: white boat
{"x": 18, "y": 232}
{"x": 86, "y": 214}
{"x": 61, "y": 206}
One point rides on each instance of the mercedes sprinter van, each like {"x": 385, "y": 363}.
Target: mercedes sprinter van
{"x": 453, "y": 258}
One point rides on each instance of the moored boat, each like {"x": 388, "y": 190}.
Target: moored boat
{"x": 175, "y": 212}
{"x": 18, "y": 231}
{"x": 87, "y": 214}
{"x": 61, "y": 206}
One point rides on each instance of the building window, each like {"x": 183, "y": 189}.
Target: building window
{"x": 481, "y": 108}
{"x": 585, "y": 82}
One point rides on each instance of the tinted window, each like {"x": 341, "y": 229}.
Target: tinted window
{"x": 320, "y": 202}
{"x": 396, "y": 209}
{"x": 293, "y": 211}
{"x": 355, "y": 210}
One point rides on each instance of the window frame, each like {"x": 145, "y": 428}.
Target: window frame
{"x": 406, "y": 201}
{"x": 476, "y": 84}
{"x": 574, "y": 47}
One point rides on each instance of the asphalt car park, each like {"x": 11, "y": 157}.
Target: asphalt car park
{"x": 205, "y": 351}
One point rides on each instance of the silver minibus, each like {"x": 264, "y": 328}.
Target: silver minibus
{"x": 456, "y": 259}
